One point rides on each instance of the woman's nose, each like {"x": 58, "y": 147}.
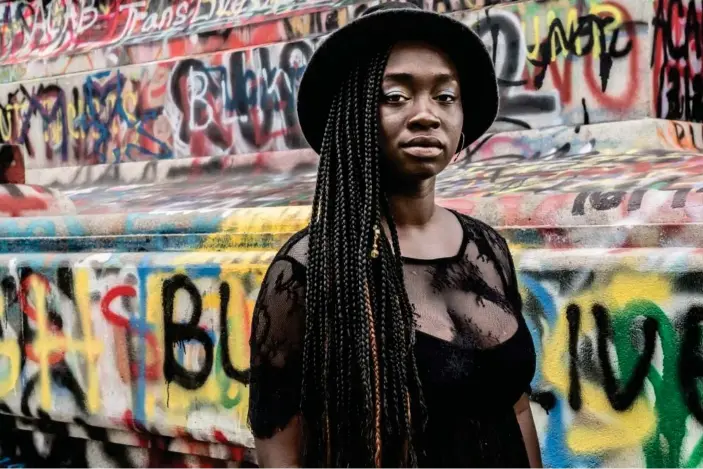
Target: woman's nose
{"x": 423, "y": 115}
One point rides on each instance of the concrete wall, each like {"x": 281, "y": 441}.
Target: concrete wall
{"x": 205, "y": 95}
{"x": 123, "y": 339}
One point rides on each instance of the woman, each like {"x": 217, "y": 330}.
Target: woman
{"x": 389, "y": 332}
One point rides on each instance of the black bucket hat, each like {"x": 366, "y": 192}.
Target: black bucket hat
{"x": 384, "y": 25}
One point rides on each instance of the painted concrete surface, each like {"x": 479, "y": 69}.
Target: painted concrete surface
{"x": 559, "y": 63}
{"x": 166, "y": 151}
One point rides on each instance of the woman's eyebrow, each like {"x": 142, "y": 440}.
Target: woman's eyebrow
{"x": 446, "y": 78}
{"x": 404, "y": 77}
{"x": 401, "y": 77}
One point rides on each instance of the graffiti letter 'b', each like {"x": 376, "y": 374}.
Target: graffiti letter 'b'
{"x": 177, "y": 333}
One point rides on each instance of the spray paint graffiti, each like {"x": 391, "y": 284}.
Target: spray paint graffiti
{"x": 61, "y": 27}
{"x": 172, "y": 353}
{"x": 101, "y": 119}
{"x": 591, "y": 322}
{"x": 241, "y": 102}
{"x": 19, "y": 200}
{"x": 162, "y": 348}
{"x": 540, "y": 53}
{"x": 249, "y": 98}
{"x": 124, "y": 336}
{"x": 677, "y": 83}
{"x": 293, "y": 26}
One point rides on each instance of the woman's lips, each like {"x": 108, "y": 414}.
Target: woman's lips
{"x": 423, "y": 146}
{"x": 421, "y": 151}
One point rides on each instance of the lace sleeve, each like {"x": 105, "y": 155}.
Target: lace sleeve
{"x": 276, "y": 348}
{"x": 507, "y": 268}
{"x": 513, "y": 291}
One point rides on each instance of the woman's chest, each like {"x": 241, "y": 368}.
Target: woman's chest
{"x": 470, "y": 314}
{"x": 460, "y": 377}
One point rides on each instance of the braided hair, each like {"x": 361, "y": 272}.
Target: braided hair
{"x": 361, "y": 394}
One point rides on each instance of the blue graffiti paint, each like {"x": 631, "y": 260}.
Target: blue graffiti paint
{"x": 7, "y": 462}
{"x": 92, "y": 119}
{"x": 28, "y": 227}
{"x": 555, "y": 452}
{"x": 49, "y": 116}
{"x": 139, "y": 404}
{"x": 191, "y": 226}
{"x": 549, "y": 309}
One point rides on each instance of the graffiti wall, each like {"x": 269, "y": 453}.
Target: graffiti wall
{"x": 119, "y": 343}
{"x": 676, "y": 81}
{"x": 65, "y": 27}
{"x": 564, "y": 62}
{"x": 85, "y": 341}
{"x": 129, "y": 360}
{"x": 618, "y": 382}
{"x": 231, "y": 100}
{"x": 165, "y": 166}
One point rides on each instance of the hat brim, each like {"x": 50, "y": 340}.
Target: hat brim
{"x": 331, "y": 63}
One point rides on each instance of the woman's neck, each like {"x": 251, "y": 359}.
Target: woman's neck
{"x": 413, "y": 206}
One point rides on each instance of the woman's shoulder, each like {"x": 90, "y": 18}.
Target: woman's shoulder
{"x": 487, "y": 240}
{"x": 295, "y": 249}
{"x": 477, "y": 227}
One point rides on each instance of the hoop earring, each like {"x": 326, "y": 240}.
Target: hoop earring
{"x": 461, "y": 145}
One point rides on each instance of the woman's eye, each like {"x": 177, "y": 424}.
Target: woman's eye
{"x": 394, "y": 97}
{"x": 446, "y": 98}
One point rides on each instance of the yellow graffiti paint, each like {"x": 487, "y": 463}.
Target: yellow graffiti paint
{"x": 72, "y": 115}
{"x": 6, "y": 126}
{"x": 55, "y": 131}
{"x": 558, "y": 36}
{"x": 242, "y": 260}
{"x": 92, "y": 348}
{"x": 244, "y": 226}
{"x": 173, "y": 399}
{"x": 10, "y": 349}
{"x": 610, "y": 10}
{"x": 46, "y": 343}
{"x": 267, "y": 220}
{"x": 129, "y": 101}
{"x": 154, "y": 316}
{"x": 626, "y": 286}
{"x": 239, "y": 317}
{"x": 301, "y": 25}
{"x": 534, "y": 54}
{"x": 559, "y": 42}
{"x": 597, "y": 427}
{"x": 110, "y": 102}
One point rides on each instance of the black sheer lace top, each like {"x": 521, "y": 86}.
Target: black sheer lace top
{"x": 474, "y": 351}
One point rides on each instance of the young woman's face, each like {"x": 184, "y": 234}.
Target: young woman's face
{"x": 421, "y": 115}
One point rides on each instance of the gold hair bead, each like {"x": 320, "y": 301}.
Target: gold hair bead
{"x": 376, "y": 235}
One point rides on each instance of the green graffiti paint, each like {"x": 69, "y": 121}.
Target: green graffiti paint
{"x": 670, "y": 408}
{"x": 224, "y": 382}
